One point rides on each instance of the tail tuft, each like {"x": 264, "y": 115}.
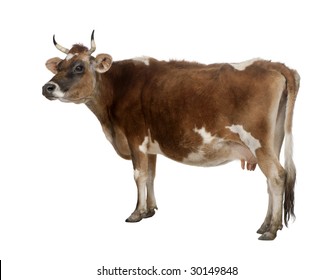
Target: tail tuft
{"x": 289, "y": 196}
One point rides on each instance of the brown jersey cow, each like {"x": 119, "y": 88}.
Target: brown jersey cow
{"x": 203, "y": 115}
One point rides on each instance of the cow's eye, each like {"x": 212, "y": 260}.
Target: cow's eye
{"x": 78, "y": 69}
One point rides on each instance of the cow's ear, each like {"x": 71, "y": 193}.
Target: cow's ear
{"x": 103, "y": 62}
{"x": 52, "y": 64}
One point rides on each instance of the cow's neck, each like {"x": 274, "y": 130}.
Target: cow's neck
{"x": 103, "y": 96}
{"x": 101, "y": 105}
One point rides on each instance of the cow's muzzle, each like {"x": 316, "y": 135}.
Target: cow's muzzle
{"x": 48, "y": 91}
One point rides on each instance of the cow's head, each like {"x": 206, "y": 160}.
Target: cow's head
{"x": 75, "y": 76}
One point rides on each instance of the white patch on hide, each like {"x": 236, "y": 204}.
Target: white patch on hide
{"x": 212, "y": 152}
{"x": 154, "y": 148}
{"x": 144, "y": 146}
{"x": 195, "y": 157}
{"x": 243, "y": 65}
{"x": 143, "y": 59}
{"x": 252, "y": 143}
{"x": 150, "y": 147}
{"x": 206, "y": 136}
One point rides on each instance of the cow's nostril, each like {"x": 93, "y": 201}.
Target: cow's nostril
{"x": 50, "y": 87}
{"x": 48, "y": 90}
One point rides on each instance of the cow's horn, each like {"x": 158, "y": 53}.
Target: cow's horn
{"x": 93, "y": 44}
{"x": 60, "y": 48}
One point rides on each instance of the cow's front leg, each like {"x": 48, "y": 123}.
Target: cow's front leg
{"x": 144, "y": 173}
{"x": 140, "y": 161}
{"x": 151, "y": 201}
{"x": 140, "y": 177}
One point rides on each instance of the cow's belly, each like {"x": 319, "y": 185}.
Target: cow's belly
{"x": 219, "y": 153}
{"x": 213, "y": 152}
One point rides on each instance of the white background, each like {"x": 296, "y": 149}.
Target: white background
{"x": 65, "y": 194}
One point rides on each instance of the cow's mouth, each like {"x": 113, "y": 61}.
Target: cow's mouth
{"x": 50, "y": 97}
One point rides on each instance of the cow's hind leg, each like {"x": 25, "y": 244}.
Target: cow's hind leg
{"x": 275, "y": 174}
{"x": 265, "y": 226}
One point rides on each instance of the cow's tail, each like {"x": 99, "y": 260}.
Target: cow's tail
{"x": 292, "y": 86}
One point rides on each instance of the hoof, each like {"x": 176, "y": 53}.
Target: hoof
{"x": 264, "y": 228}
{"x": 149, "y": 213}
{"x": 267, "y": 236}
{"x": 135, "y": 217}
